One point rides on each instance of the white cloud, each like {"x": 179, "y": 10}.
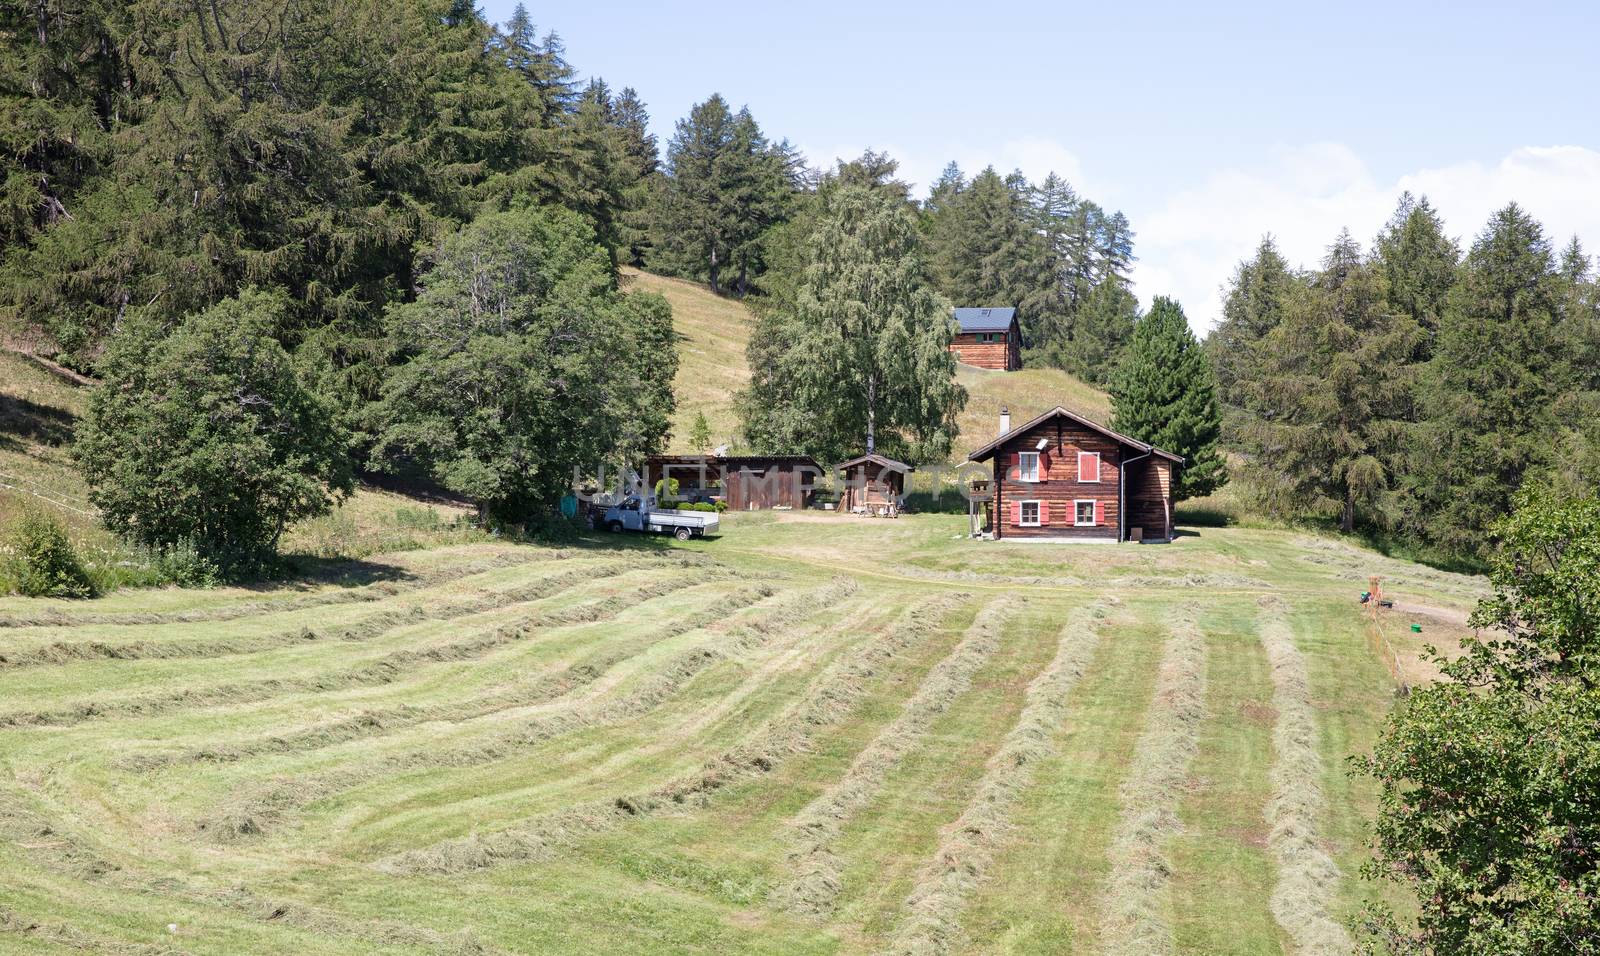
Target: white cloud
{"x": 1304, "y": 195}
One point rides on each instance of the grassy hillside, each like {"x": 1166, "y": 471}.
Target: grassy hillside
{"x": 714, "y": 331}
{"x": 37, "y": 414}
{"x": 815, "y": 734}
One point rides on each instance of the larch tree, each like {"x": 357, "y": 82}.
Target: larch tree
{"x": 866, "y": 356}
{"x": 1163, "y": 393}
{"x": 1330, "y": 392}
{"x": 1417, "y": 262}
{"x": 1253, "y": 307}
{"x": 1502, "y": 366}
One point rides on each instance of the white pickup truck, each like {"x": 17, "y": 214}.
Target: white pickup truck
{"x": 640, "y": 514}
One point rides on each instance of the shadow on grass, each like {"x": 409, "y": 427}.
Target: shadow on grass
{"x": 45, "y": 424}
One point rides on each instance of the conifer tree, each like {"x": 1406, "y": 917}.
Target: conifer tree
{"x": 1253, "y": 307}
{"x": 1163, "y": 394}
{"x": 1417, "y": 262}
{"x": 1489, "y": 396}
{"x": 1330, "y": 392}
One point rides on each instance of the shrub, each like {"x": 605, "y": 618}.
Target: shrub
{"x": 43, "y": 562}
{"x": 206, "y": 434}
{"x": 185, "y": 565}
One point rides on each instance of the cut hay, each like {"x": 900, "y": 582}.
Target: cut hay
{"x": 280, "y": 797}
{"x": 393, "y": 667}
{"x": 1134, "y": 904}
{"x": 1307, "y": 876}
{"x": 833, "y": 695}
{"x": 962, "y": 862}
{"x": 815, "y": 886}
{"x": 63, "y": 652}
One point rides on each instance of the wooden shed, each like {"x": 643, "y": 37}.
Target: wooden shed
{"x": 742, "y": 482}
{"x": 873, "y": 485}
{"x": 1064, "y": 476}
{"x": 988, "y": 338}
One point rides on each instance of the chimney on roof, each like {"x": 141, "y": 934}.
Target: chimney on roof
{"x": 1005, "y": 421}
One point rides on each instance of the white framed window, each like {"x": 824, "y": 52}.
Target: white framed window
{"x": 1028, "y": 514}
{"x": 1083, "y": 513}
{"x": 1028, "y": 466}
{"x": 1089, "y": 466}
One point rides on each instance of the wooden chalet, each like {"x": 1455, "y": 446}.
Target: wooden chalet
{"x": 873, "y": 485}
{"x": 988, "y": 338}
{"x": 742, "y": 482}
{"x": 1063, "y": 476}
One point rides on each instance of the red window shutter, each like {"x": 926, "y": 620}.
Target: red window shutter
{"x": 1044, "y": 466}
{"x": 1099, "y": 511}
{"x": 1016, "y": 465}
{"x": 1044, "y": 512}
{"x": 1016, "y": 512}
{"x": 1088, "y": 466}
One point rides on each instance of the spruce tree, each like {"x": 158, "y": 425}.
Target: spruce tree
{"x": 1163, "y": 394}
{"x": 1489, "y": 396}
{"x": 1330, "y": 391}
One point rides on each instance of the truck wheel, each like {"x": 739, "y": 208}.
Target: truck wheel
{"x": 682, "y": 534}
{"x": 615, "y": 526}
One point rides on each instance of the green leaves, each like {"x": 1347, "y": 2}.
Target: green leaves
{"x": 206, "y": 435}
{"x": 1490, "y": 779}
{"x": 522, "y": 362}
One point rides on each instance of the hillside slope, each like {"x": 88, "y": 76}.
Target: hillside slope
{"x": 713, "y": 332}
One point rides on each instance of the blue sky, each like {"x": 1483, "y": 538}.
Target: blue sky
{"x": 1208, "y": 124}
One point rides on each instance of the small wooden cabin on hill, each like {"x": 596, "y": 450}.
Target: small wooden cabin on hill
{"x": 873, "y": 484}
{"x": 988, "y": 338}
{"x": 742, "y": 482}
{"x": 1064, "y": 476}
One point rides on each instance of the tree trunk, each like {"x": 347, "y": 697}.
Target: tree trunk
{"x": 744, "y": 276}
{"x": 714, "y": 288}
{"x": 1347, "y": 517}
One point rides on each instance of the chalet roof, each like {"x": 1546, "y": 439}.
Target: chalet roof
{"x": 987, "y": 451}
{"x": 985, "y": 320}
{"x": 734, "y": 462}
{"x": 877, "y": 460}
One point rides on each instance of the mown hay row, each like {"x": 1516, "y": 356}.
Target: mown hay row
{"x": 396, "y": 665}
{"x": 380, "y": 591}
{"x": 834, "y": 694}
{"x": 817, "y": 868}
{"x": 962, "y": 862}
{"x": 63, "y": 652}
{"x": 1134, "y": 904}
{"x": 13, "y": 923}
{"x": 265, "y": 809}
{"x": 1307, "y": 876}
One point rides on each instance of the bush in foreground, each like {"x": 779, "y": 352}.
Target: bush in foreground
{"x": 1490, "y": 778}
{"x": 204, "y": 439}
{"x": 42, "y": 561}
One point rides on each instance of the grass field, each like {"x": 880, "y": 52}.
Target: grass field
{"x": 812, "y": 734}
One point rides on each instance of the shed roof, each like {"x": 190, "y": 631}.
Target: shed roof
{"x": 987, "y": 451}
{"x": 985, "y": 320}
{"x": 876, "y": 459}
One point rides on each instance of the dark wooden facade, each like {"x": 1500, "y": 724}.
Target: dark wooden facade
{"x": 742, "y": 482}
{"x": 872, "y": 484}
{"x": 1063, "y": 476}
{"x": 988, "y": 338}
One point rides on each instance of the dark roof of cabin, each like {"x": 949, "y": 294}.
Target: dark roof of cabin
{"x": 733, "y": 461}
{"x": 987, "y": 451}
{"x": 985, "y": 320}
{"x": 877, "y": 460}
